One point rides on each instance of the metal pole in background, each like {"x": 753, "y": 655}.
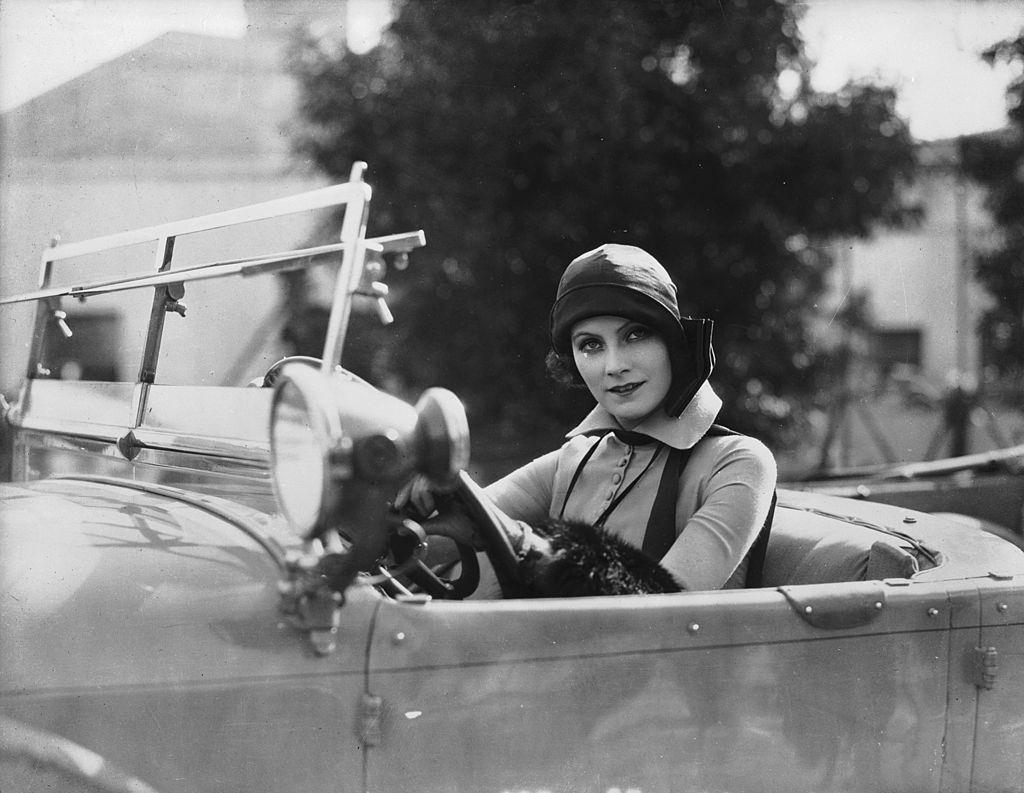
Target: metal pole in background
{"x": 961, "y": 400}
{"x": 846, "y": 431}
{"x": 964, "y": 331}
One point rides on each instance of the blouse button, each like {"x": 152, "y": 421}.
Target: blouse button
{"x": 616, "y": 478}
{"x": 621, "y": 463}
{"x": 611, "y": 495}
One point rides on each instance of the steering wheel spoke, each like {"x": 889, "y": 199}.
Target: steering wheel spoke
{"x": 407, "y": 564}
{"x": 434, "y": 580}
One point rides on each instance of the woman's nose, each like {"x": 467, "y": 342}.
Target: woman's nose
{"x": 615, "y": 361}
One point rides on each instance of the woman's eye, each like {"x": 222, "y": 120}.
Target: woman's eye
{"x": 638, "y": 332}
{"x": 588, "y": 345}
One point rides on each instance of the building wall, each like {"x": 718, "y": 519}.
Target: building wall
{"x": 183, "y": 126}
{"x": 919, "y": 279}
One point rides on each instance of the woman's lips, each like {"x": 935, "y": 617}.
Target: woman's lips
{"x": 624, "y": 390}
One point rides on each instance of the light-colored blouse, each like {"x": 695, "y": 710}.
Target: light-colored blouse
{"x": 724, "y": 493}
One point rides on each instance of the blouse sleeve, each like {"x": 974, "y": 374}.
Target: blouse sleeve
{"x": 525, "y": 494}
{"x": 725, "y": 496}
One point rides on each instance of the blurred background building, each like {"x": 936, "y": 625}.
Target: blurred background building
{"x": 912, "y": 333}
{"x": 185, "y": 124}
{"x": 921, "y": 303}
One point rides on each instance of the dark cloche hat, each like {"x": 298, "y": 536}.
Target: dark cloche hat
{"x": 626, "y": 281}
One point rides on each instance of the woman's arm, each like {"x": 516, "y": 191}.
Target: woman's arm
{"x": 525, "y": 494}
{"x": 522, "y": 499}
{"x": 724, "y": 500}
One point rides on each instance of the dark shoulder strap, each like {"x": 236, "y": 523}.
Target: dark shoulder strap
{"x": 757, "y": 552}
{"x": 576, "y": 476}
{"x": 661, "y": 525}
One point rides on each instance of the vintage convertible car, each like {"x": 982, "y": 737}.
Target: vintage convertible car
{"x": 206, "y": 588}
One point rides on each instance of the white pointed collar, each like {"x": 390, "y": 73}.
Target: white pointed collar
{"x": 679, "y": 433}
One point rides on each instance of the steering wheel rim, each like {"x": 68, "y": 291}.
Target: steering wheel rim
{"x": 271, "y": 375}
{"x": 492, "y": 526}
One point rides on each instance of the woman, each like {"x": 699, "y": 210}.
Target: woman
{"x": 647, "y": 465}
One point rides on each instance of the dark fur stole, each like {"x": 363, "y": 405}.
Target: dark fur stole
{"x": 589, "y": 560}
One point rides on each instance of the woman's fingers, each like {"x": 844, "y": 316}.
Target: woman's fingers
{"x": 416, "y": 498}
{"x": 455, "y": 523}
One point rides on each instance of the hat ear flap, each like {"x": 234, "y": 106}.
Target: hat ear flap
{"x": 696, "y": 366}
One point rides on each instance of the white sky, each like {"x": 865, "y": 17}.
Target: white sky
{"x": 43, "y": 44}
{"x": 927, "y": 47}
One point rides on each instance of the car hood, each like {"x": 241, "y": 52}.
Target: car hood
{"x": 123, "y": 583}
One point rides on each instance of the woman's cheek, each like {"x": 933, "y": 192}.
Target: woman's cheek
{"x": 589, "y": 370}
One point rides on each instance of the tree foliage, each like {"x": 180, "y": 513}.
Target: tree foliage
{"x": 521, "y": 134}
{"x": 997, "y": 162}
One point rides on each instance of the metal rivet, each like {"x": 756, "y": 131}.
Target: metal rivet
{"x": 910, "y": 519}
{"x": 933, "y": 612}
{"x": 808, "y": 609}
{"x": 693, "y": 627}
{"x": 1002, "y": 607}
{"x": 398, "y": 638}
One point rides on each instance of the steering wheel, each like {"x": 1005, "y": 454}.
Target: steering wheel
{"x": 494, "y": 529}
{"x": 434, "y": 579}
{"x": 275, "y": 368}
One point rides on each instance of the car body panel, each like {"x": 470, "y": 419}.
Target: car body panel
{"x": 165, "y": 650}
{"x": 693, "y": 691}
{"x": 42, "y": 454}
{"x": 999, "y": 747}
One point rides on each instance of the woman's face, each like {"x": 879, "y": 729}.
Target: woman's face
{"x": 625, "y": 365}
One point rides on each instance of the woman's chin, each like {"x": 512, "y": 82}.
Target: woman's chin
{"x": 627, "y": 416}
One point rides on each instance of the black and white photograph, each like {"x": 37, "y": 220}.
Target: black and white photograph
{"x": 512, "y": 396}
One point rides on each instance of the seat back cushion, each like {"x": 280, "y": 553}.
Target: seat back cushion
{"x": 805, "y": 548}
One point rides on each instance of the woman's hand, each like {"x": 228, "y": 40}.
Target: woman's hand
{"x": 441, "y": 516}
{"x": 453, "y": 521}
{"x": 416, "y": 498}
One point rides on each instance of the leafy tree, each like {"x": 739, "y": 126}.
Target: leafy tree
{"x": 521, "y": 134}
{"x": 997, "y": 162}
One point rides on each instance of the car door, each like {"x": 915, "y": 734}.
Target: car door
{"x": 811, "y": 688}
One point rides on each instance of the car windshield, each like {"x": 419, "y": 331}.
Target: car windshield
{"x": 221, "y": 332}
